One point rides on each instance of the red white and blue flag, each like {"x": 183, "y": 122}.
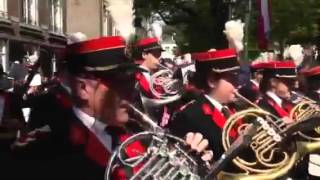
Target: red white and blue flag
{"x": 264, "y": 23}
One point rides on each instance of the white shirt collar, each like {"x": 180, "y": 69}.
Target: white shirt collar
{"x": 87, "y": 120}
{"x": 147, "y": 73}
{"x": 214, "y": 102}
{"x": 254, "y": 82}
{"x": 274, "y": 97}
{"x": 96, "y": 127}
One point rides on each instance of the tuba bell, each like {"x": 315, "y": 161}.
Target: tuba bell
{"x": 164, "y": 87}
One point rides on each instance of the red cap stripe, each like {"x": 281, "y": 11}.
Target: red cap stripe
{"x": 93, "y": 45}
{"x": 280, "y": 64}
{"x": 147, "y": 41}
{"x": 312, "y": 72}
{"x": 215, "y": 55}
{"x": 260, "y": 65}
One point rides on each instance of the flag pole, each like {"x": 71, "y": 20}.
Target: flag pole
{"x": 246, "y": 35}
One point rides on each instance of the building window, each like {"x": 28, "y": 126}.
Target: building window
{"x": 108, "y": 26}
{"x": 56, "y": 23}
{"x": 107, "y": 20}
{"x": 3, "y": 55}
{"x": 3, "y": 9}
{"x": 30, "y": 12}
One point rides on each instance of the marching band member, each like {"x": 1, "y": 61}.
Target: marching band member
{"x": 149, "y": 52}
{"x": 148, "y": 56}
{"x": 276, "y": 85}
{"x": 312, "y": 77}
{"x": 217, "y": 75}
{"x": 81, "y": 141}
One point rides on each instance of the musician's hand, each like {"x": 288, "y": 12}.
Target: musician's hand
{"x": 198, "y": 144}
{"x": 287, "y": 120}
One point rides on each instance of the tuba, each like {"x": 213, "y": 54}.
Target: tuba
{"x": 274, "y": 151}
{"x": 164, "y": 87}
{"x": 166, "y": 156}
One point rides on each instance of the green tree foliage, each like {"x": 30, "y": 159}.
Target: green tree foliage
{"x": 198, "y": 24}
{"x": 295, "y": 21}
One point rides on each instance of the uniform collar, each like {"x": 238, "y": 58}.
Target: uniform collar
{"x": 254, "y": 82}
{"x": 214, "y": 102}
{"x": 89, "y": 121}
{"x": 145, "y": 68}
{"x": 274, "y": 97}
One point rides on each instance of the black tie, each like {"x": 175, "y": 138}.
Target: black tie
{"x": 115, "y": 133}
{"x": 225, "y": 111}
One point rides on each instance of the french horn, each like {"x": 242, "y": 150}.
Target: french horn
{"x": 164, "y": 87}
{"x": 165, "y": 157}
{"x": 274, "y": 151}
{"x": 304, "y": 109}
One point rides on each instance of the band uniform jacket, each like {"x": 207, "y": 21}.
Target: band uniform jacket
{"x": 46, "y": 105}
{"x": 69, "y": 151}
{"x": 11, "y": 120}
{"x": 269, "y": 105}
{"x": 201, "y": 116}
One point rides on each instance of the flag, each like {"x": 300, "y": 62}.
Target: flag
{"x": 264, "y": 23}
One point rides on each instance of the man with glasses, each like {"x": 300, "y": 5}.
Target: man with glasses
{"x": 83, "y": 137}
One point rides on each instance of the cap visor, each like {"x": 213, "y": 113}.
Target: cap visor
{"x": 123, "y": 69}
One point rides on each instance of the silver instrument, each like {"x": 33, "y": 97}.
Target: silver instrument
{"x": 170, "y": 88}
{"x": 165, "y": 156}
